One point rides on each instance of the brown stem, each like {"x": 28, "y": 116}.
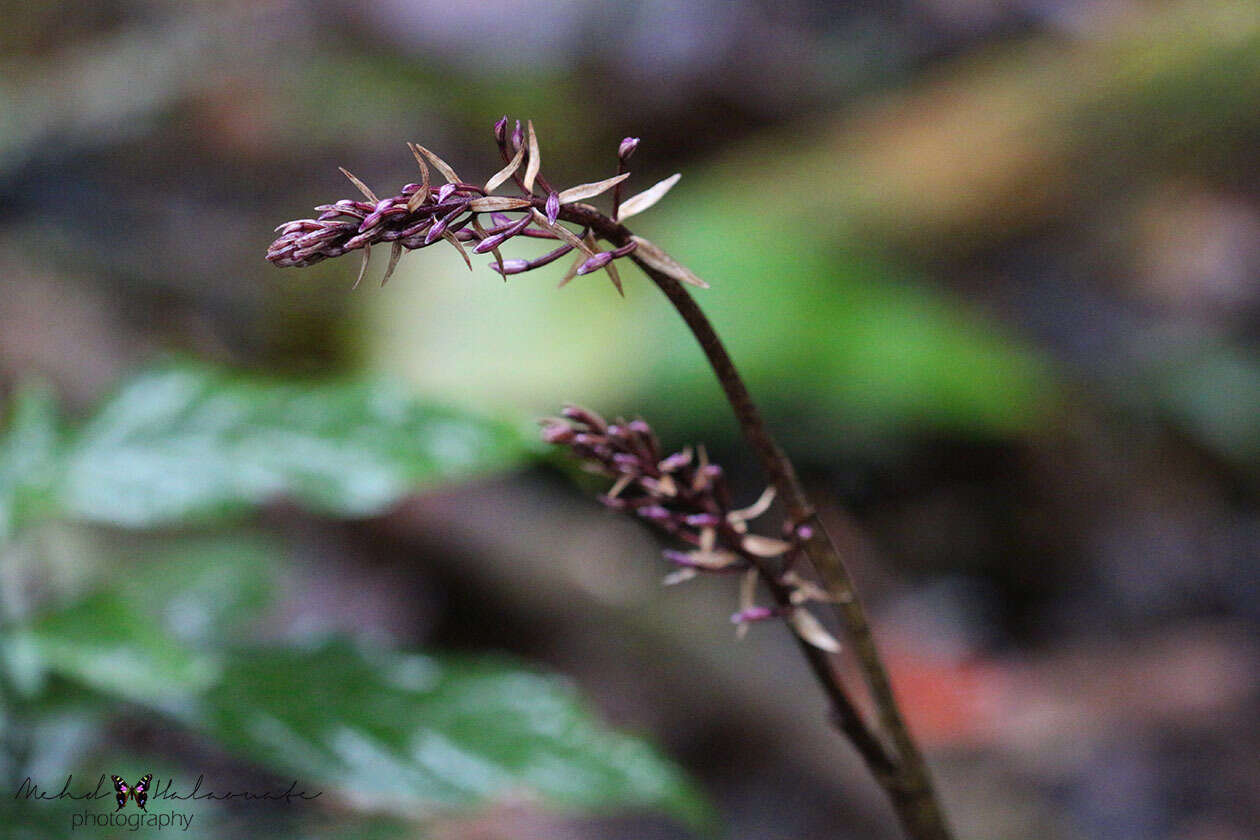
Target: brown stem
{"x": 909, "y": 786}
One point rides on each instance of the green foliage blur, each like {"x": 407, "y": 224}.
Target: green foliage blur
{"x": 164, "y": 631}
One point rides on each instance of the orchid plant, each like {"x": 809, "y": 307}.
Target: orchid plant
{"x": 682, "y": 494}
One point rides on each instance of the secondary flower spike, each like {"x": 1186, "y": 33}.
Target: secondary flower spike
{"x": 686, "y": 497}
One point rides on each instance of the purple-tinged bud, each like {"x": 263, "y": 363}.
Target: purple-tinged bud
{"x": 754, "y": 614}
{"x": 679, "y": 558}
{"x": 444, "y": 192}
{"x": 586, "y": 416}
{"x": 804, "y": 533}
{"x": 558, "y": 433}
{"x": 587, "y": 439}
{"x": 703, "y": 520}
{"x": 553, "y": 206}
{"x": 627, "y": 148}
{"x": 616, "y": 431}
{"x": 614, "y": 503}
{"x": 500, "y": 129}
{"x": 675, "y": 462}
{"x": 640, "y": 427}
{"x": 628, "y": 463}
{"x": 492, "y": 242}
{"x": 625, "y": 249}
{"x": 510, "y": 266}
{"x": 656, "y": 513}
{"x": 375, "y": 216}
{"x": 595, "y": 263}
{"x": 518, "y": 136}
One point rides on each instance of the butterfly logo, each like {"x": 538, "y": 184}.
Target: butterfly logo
{"x": 139, "y": 791}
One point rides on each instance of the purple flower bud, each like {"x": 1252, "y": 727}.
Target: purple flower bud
{"x": 375, "y": 216}
{"x": 679, "y": 558}
{"x": 595, "y": 263}
{"x": 444, "y": 192}
{"x": 587, "y": 439}
{"x": 675, "y": 462}
{"x": 500, "y": 129}
{"x": 558, "y": 433}
{"x": 492, "y": 242}
{"x": 627, "y": 147}
{"x": 804, "y": 533}
{"x": 586, "y": 416}
{"x": 628, "y": 463}
{"x": 434, "y": 232}
{"x": 754, "y": 614}
{"x": 656, "y": 513}
{"x": 553, "y": 206}
{"x": 703, "y": 520}
{"x": 518, "y": 136}
{"x": 510, "y": 266}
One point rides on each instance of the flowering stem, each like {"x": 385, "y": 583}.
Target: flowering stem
{"x": 906, "y": 779}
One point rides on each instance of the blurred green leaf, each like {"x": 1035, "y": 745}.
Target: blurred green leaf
{"x": 191, "y": 442}
{"x": 836, "y": 337}
{"x": 28, "y": 450}
{"x": 103, "y": 643}
{"x": 414, "y": 734}
{"x": 203, "y": 590}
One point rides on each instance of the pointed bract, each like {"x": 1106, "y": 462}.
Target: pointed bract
{"x": 506, "y": 172}
{"x": 419, "y": 196}
{"x": 636, "y": 204}
{"x": 584, "y": 191}
{"x": 497, "y": 203}
{"x": 394, "y": 255}
{"x": 459, "y": 246}
{"x": 535, "y": 159}
{"x": 363, "y": 188}
{"x": 811, "y": 630}
{"x": 440, "y": 165}
{"x": 648, "y": 254}
{"x": 367, "y": 255}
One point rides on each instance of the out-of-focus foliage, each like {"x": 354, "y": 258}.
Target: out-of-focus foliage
{"x": 188, "y": 442}
{"x": 173, "y": 637}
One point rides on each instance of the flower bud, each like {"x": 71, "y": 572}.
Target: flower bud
{"x": 627, "y": 148}
{"x": 595, "y": 263}
{"x": 558, "y": 433}
{"x": 510, "y": 266}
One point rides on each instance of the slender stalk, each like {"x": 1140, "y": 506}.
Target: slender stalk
{"x": 908, "y": 782}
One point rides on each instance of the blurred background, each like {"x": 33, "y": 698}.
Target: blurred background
{"x": 989, "y": 266}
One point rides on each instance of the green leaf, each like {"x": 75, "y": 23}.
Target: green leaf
{"x": 413, "y": 734}
{"x": 104, "y": 644}
{"x": 28, "y": 463}
{"x": 191, "y": 442}
{"x": 206, "y": 590}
